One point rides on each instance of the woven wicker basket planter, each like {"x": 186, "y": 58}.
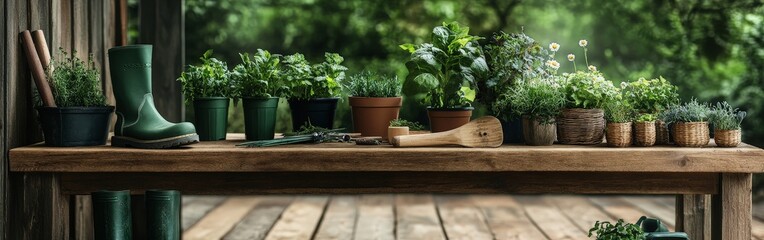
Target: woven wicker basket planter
{"x": 618, "y": 134}
{"x": 691, "y": 134}
{"x": 644, "y": 134}
{"x": 537, "y": 134}
{"x": 581, "y": 126}
{"x": 662, "y": 135}
{"x": 727, "y": 138}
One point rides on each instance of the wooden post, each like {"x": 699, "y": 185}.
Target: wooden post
{"x": 732, "y": 207}
{"x": 42, "y": 211}
{"x": 693, "y": 215}
{"x": 162, "y": 25}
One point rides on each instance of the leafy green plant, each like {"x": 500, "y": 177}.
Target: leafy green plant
{"x": 724, "y": 117}
{"x": 651, "y": 96}
{"x": 512, "y": 59}
{"x": 646, "y": 117}
{"x": 688, "y": 112}
{"x": 210, "y": 79}
{"x": 368, "y": 84}
{"x": 538, "y": 98}
{"x": 258, "y": 76}
{"x": 588, "y": 89}
{"x": 618, "y": 231}
{"x": 318, "y": 81}
{"x": 618, "y": 110}
{"x": 75, "y": 83}
{"x": 413, "y": 126}
{"x": 447, "y": 69}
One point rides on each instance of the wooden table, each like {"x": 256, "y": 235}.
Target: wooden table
{"x": 52, "y": 175}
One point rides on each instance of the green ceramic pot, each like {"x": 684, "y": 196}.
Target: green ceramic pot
{"x": 211, "y": 118}
{"x": 75, "y": 126}
{"x": 163, "y": 214}
{"x": 111, "y": 215}
{"x": 260, "y": 118}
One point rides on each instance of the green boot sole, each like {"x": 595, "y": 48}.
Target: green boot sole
{"x": 172, "y": 142}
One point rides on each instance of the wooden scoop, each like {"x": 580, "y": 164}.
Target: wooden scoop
{"x": 481, "y": 132}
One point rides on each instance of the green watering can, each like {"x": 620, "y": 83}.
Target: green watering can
{"x": 655, "y": 230}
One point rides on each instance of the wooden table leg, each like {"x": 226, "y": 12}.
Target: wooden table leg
{"x": 44, "y": 210}
{"x": 693, "y": 215}
{"x": 732, "y": 207}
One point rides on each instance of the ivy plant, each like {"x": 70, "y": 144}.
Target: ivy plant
{"x": 317, "y": 81}
{"x": 725, "y": 117}
{"x": 75, "y": 83}
{"x": 618, "y": 231}
{"x": 447, "y": 69}
{"x": 209, "y": 79}
{"x": 258, "y": 76}
{"x": 588, "y": 89}
{"x": 651, "y": 96}
{"x": 368, "y": 84}
{"x": 539, "y": 99}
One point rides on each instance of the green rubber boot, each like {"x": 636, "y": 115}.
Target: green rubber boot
{"x": 111, "y": 215}
{"x": 163, "y": 215}
{"x": 139, "y": 124}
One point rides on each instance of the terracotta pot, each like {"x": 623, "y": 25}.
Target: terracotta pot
{"x": 538, "y": 134}
{"x": 727, "y": 138}
{"x": 392, "y": 132}
{"x": 619, "y": 134}
{"x": 372, "y": 116}
{"x": 444, "y": 119}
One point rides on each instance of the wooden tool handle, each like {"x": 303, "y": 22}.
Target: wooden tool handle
{"x": 37, "y": 71}
{"x": 426, "y": 140}
{"x": 42, "y": 48}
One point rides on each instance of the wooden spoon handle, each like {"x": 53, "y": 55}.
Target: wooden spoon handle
{"x": 426, "y": 140}
{"x": 42, "y": 48}
{"x": 37, "y": 71}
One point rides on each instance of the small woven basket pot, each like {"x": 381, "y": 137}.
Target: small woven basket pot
{"x": 581, "y": 126}
{"x": 662, "y": 135}
{"x": 691, "y": 134}
{"x": 727, "y": 138}
{"x": 644, "y": 134}
{"x": 618, "y": 134}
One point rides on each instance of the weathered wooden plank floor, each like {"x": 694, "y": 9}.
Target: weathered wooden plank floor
{"x": 385, "y": 217}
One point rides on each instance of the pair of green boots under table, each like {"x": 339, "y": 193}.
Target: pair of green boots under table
{"x": 139, "y": 124}
{"x": 655, "y": 230}
{"x": 112, "y": 216}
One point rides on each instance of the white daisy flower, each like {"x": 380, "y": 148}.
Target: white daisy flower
{"x": 554, "y": 47}
{"x": 592, "y": 68}
{"x": 553, "y": 64}
{"x": 571, "y": 57}
{"x": 624, "y": 85}
{"x": 583, "y": 43}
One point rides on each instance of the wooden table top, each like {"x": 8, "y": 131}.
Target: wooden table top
{"x": 223, "y": 156}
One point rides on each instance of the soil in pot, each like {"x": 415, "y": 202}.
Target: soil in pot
{"x": 211, "y": 118}
{"x": 691, "y": 134}
{"x": 644, "y": 134}
{"x": 536, "y": 133}
{"x": 372, "y": 116}
{"x": 444, "y": 119}
{"x": 619, "y": 134}
{"x": 581, "y": 126}
{"x": 75, "y": 126}
{"x": 260, "y": 118}
{"x": 319, "y": 112}
{"x": 392, "y": 132}
{"x": 727, "y": 138}
{"x": 513, "y": 130}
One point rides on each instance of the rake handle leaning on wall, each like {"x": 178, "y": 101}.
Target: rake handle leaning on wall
{"x": 37, "y": 71}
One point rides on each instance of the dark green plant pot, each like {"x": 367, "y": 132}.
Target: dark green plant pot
{"x": 163, "y": 214}
{"x": 319, "y": 111}
{"x": 75, "y": 126}
{"x": 111, "y": 215}
{"x": 211, "y": 118}
{"x": 260, "y": 118}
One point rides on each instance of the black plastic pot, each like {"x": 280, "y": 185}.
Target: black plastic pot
{"x": 513, "y": 130}
{"x": 260, "y": 118}
{"x": 319, "y": 112}
{"x": 75, "y": 126}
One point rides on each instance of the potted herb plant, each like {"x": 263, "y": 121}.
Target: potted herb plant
{"x": 689, "y": 123}
{"x": 618, "y": 115}
{"x": 375, "y": 100}
{"x": 538, "y": 101}
{"x": 644, "y": 130}
{"x": 259, "y": 84}
{"x": 400, "y": 127}
{"x": 446, "y": 71}
{"x": 652, "y": 97}
{"x": 81, "y": 116}
{"x": 512, "y": 59}
{"x": 726, "y": 121}
{"x": 618, "y": 231}
{"x": 208, "y": 86}
{"x": 314, "y": 89}
{"x": 582, "y": 121}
